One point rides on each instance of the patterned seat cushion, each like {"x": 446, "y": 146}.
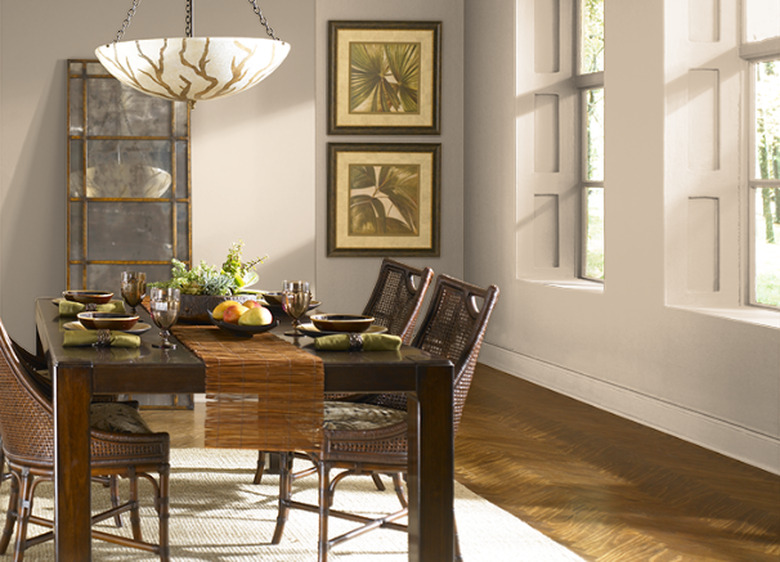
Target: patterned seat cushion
{"x": 116, "y": 417}
{"x": 354, "y": 416}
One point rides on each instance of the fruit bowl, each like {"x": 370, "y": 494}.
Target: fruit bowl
{"x": 88, "y": 296}
{"x": 342, "y": 322}
{"x": 107, "y": 320}
{"x": 242, "y": 331}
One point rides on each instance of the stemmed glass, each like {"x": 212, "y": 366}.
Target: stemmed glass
{"x": 164, "y": 305}
{"x": 133, "y": 288}
{"x": 295, "y": 302}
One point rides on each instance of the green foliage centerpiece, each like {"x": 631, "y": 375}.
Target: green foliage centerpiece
{"x": 204, "y": 286}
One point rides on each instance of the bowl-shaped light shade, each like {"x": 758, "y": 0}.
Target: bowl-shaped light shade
{"x": 192, "y": 68}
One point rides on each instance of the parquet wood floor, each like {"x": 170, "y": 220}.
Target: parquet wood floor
{"x": 607, "y": 488}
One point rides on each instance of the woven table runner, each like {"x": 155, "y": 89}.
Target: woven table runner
{"x": 261, "y": 393}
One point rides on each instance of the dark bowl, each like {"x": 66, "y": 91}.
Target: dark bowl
{"x": 107, "y": 320}
{"x": 342, "y": 322}
{"x": 88, "y": 297}
{"x": 242, "y": 331}
{"x": 273, "y": 297}
{"x": 194, "y": 309}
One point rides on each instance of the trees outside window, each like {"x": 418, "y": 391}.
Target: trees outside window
{"x": 590, "y": 80}
{"x": 765, "y": 183}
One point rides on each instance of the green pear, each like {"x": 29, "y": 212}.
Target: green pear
{"x": 257, "y": 316}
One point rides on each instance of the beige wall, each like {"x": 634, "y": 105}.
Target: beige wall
{"x": 714, "y": 381}
{"x": 258, "y": 159}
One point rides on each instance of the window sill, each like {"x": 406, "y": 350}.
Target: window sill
{"x": 747, "y": 314}
{"x": 576, "y": 284}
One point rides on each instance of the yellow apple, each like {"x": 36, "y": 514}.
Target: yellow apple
{"x": 233, "y": 313}
{"x": 250, "y": 303}
{"x": 219, "y": 310}
{"x": 257, "y": 316}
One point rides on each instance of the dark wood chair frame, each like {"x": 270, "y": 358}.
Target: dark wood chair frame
{"x": 395, "y": 303}
{"x": 454, "y": 327}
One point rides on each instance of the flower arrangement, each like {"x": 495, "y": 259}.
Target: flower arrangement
{"x": 233, "y": 277}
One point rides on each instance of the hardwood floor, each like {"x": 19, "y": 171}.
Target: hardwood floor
{"x": 608, "y": 488}
{"x": 605, "y": 487}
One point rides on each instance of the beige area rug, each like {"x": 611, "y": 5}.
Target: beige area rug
{"x": 218, "y": 514}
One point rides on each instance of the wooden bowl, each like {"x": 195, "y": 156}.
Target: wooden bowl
{"x": 273, "y": 297}
{"x": 88, "y": 296}
{"x": 342, "y": 322}
{"x": 107, "y": 320}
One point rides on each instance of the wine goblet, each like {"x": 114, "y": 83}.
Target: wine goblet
{"x": 164, "y": 305}
{"x": 296, "y": 297}
{"x": 133, "y": 288}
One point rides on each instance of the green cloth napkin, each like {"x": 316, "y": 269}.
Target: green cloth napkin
{"x": 75, "y": 338}
{"x": 363, "y": 342}
{"x": 71, "y": 308}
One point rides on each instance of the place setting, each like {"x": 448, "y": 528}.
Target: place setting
{"x": 102, "y": 320}
{"x": 335, "y": 331}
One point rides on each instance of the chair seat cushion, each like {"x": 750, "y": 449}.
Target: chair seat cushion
{"x": 116, "y": 417}
{"x": 355, "y": 416}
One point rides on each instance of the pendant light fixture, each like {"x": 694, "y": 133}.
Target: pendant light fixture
{"x": 192, "y": 68}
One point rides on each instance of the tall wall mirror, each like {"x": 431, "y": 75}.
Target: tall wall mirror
{"x": 128, "y": 181}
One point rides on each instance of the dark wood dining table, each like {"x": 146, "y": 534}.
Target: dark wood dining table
{"x": 80, "y": 372}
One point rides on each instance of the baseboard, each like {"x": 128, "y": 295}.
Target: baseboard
{"x": 718, "y": 435}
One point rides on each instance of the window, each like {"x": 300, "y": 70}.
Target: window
{"x": 761, "y": 48}
{"x": 590, "y": 81}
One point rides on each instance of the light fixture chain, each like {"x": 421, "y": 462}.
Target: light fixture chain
{"x": 188, "y": 19}
{"x": 268, "y": 29}
{"x": 126, "y": 23}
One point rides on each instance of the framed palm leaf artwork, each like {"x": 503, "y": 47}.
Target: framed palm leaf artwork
{"x": 384, "y": 77}
{"x": 383, "y": 199}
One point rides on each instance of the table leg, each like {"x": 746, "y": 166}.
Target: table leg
{"x": 72, "y": 395}
{"x": 431, "y": 470}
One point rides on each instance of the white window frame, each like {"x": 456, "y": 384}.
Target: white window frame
{"x": 582, "y": 83}
{"x": 752, "y": 53}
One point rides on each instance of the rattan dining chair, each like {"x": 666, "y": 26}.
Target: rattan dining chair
{"x": 121, "y": 445}
{"x": 395, "y": 303}
{"x": 365, "y": 438}
{"x": 38, "y": 369}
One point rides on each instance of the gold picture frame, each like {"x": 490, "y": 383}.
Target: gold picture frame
{"x": 384, "y": 199}
{"x": 403, "y": 97}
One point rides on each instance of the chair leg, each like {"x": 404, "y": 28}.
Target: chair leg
{"x": 399, "y": 489}
{"x": 163, "y": 502}
{"x": 324, "y": 511}
{"x": 10, "y": 516}
{"x": 378, "y": 482}
{"x": 260, "y": 467}
{"x": 135, "y": 517}
{"x": 113, "y": 485}
{"x": 285, "y": 491}
{"x": 24, "y": 507}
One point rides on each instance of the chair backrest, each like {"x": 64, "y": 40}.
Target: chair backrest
{"x": 26, "y": 418}
{"x": 454, "y": 327}
{"x": 397, "y": 297}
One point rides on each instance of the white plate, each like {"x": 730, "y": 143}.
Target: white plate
{"x": 139, "y": 328}
{"x": 314, "y": 332}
